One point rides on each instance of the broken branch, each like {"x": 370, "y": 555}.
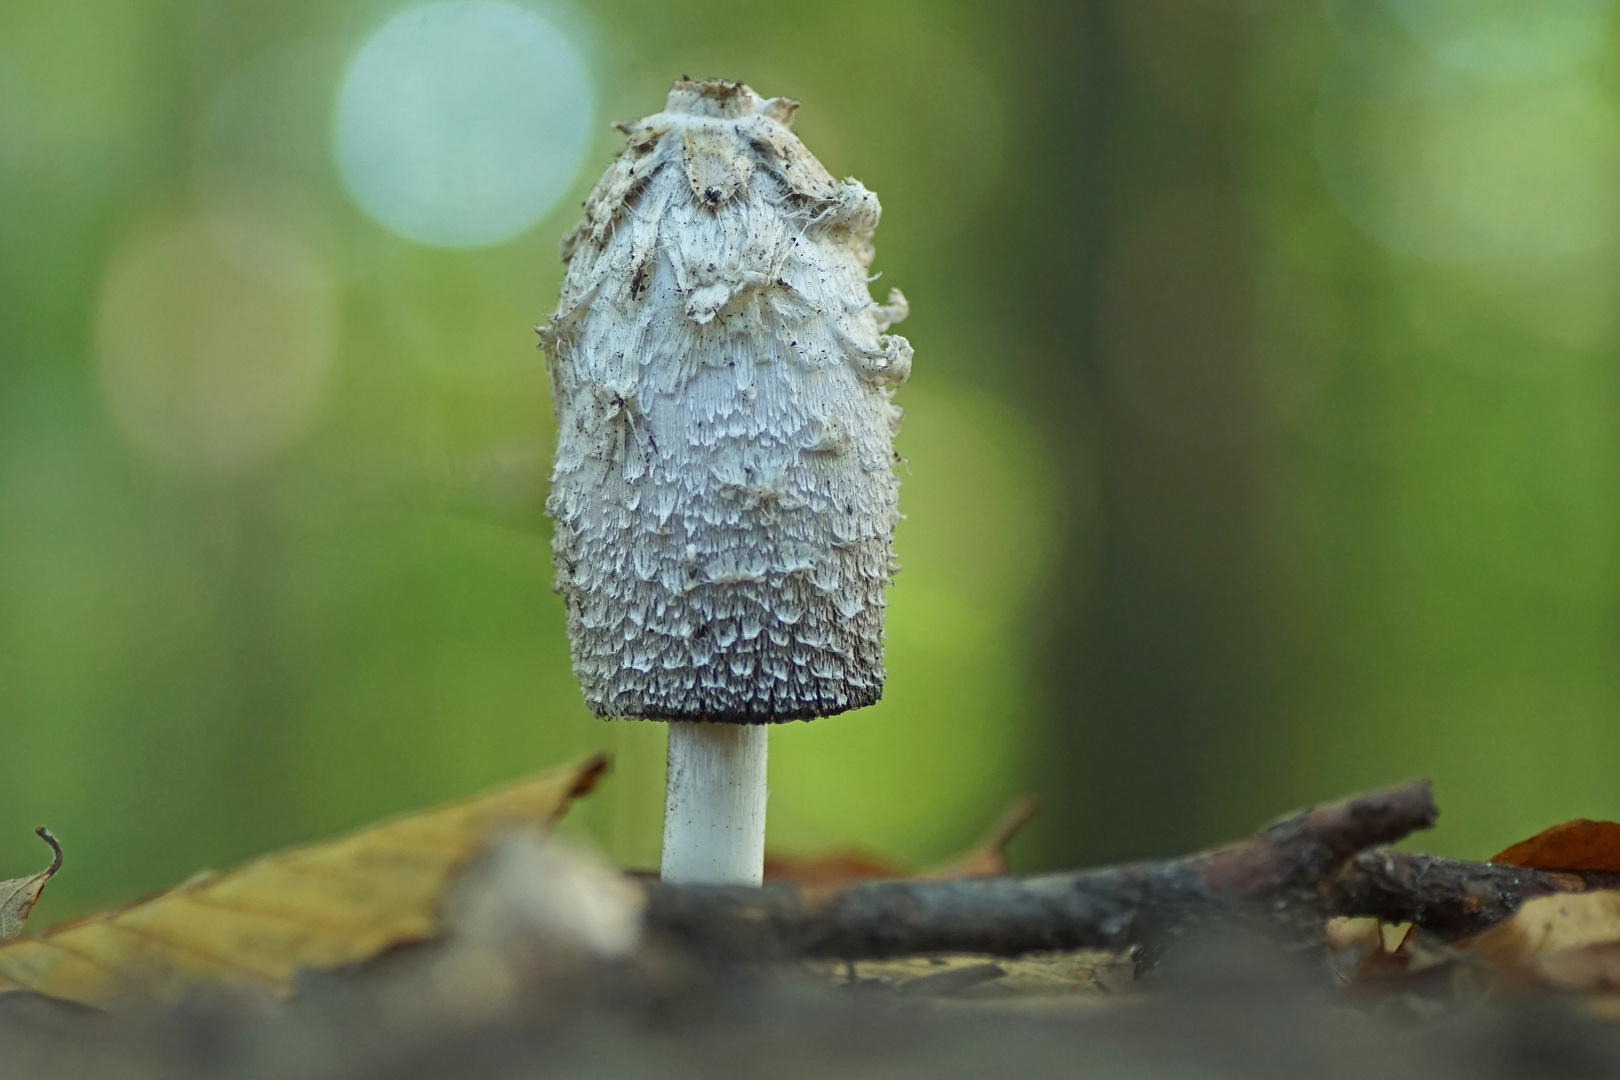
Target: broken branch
{"x": 1447, "y": 897}
{"x": 1278, "y": 875}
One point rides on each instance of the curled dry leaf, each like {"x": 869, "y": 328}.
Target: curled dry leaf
{"x": 1582, "y": 844}
{"x": 18, "y": 896}
{"x": 316, "y": 907}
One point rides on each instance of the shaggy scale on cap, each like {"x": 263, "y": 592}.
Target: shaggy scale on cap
{"x": 724, "y": 492}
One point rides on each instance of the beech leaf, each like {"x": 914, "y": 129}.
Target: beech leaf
{"x": 18, "y": 896}
{"x": 316, "y": 907}
{"x": 1582, "y": 844}
{"x": 988, "y": 857}
{"x": 835, "y": 868}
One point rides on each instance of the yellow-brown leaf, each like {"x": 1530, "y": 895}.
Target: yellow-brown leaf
{"x": 1569, "y": 940}
{"x": 316, "y": 907}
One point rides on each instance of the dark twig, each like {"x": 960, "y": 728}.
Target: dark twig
{"x": 1278, "y": 875}
{"x": 1448, "y": 898}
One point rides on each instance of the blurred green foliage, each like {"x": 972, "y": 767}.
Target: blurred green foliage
{"x": 1260, "y": 445}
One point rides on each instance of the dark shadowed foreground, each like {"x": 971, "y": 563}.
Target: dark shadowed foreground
{"x": 546, "y": 971}
{"x": 1237, "y": 1009}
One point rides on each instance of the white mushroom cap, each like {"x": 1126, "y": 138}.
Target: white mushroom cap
{"x": 724, "y": 493}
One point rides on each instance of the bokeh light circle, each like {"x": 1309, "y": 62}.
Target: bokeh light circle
{"x": 461, "y": 124}
{"x": 1371, "y": 146}
{"x": 1444, "y": 166}
{"x": 1506, "y": 39}
{"x": 209, "y": 368}
{"x": 1530, "y": 170}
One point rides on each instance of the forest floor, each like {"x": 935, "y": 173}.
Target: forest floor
{"x": 1228, "y": 1005}
{"x": 461, "y": 942}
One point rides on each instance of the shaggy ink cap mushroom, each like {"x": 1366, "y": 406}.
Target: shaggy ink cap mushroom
{"x": 724, "y": 494}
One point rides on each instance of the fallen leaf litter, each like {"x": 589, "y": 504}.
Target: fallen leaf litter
{"x": 447, "y": 919}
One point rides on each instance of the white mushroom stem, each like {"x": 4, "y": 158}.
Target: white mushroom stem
{"x": 714, "y": 805}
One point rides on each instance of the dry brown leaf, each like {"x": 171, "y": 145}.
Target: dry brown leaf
{"x": 316, "y": 907}
{"x": 986, "y": 858}
{"x": 833, "y": 868}
{"x": 1567, "y": 940}
{"x": 18, "y": 896}
{"x": 1582, "y": 844}
{"x": 1596, "y": 967}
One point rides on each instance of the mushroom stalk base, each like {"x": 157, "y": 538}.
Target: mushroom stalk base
{"x": 714, "y": 805}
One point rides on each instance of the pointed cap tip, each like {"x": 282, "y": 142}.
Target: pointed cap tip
{"x": 721, "y": 98}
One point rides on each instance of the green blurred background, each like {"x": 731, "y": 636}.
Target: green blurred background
{"x": 1262, "y": 444}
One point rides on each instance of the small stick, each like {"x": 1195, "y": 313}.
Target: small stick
{"x": 1446, "y": 897}
{"x": 714, "y": 804}
{"x": 1277, "y": 875}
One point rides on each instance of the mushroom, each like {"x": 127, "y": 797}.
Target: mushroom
{"x": 724, "y": 494}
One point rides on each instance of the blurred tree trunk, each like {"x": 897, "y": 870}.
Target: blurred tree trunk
{"x": 1155, "y": 707}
